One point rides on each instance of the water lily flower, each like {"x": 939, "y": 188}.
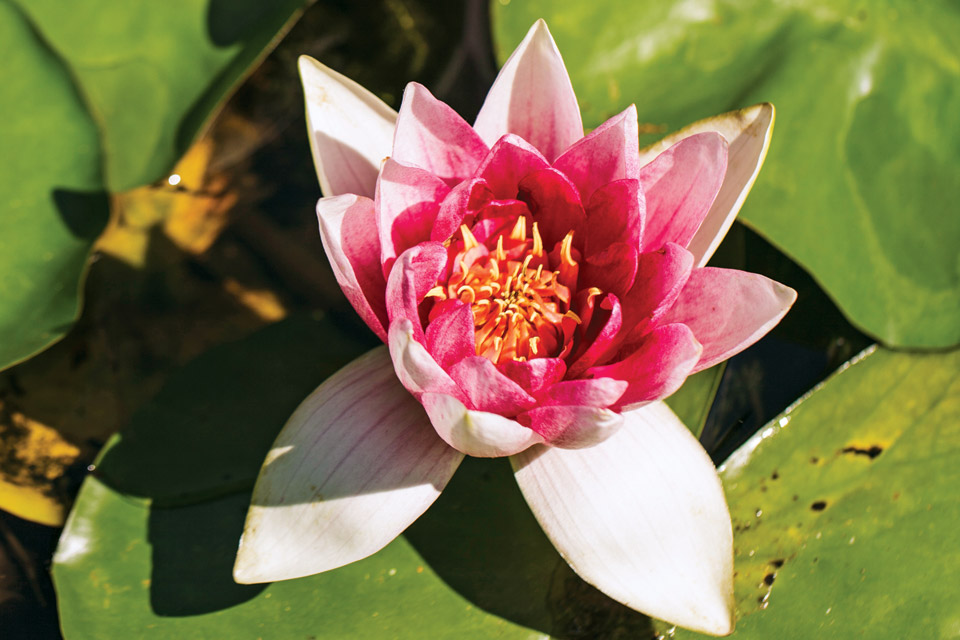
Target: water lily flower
{"x": 539, "y": 293}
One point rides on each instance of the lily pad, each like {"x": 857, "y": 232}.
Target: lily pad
{"x": 861, "y": 181}
{"x": 152, "y": 73}
{"x": 51, "y": 187}
{"x": 845, "y": 506}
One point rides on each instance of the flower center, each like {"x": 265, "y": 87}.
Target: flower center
{"x": 519, "y": 294}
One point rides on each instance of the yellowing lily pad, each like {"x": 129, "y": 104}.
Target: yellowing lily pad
{"x": 844, "y": 508}
{"x": 861, "y": 182}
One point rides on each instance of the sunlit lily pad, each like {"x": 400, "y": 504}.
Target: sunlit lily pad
{"x": 844, "y": 507}
{"x": 861, "y": 182}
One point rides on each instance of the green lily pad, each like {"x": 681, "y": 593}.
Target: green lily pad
{"x": 149, "y": 547}
{"x": 861, "y": 183}
{"x": 844, "y": 508}
{"x": 51, "y": 188}
{"x": 152, "y": 73}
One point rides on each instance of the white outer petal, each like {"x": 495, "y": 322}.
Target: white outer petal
{"x": 642, "y": 517}
{"x": 476, "y": 433}
{"x": 350, "y": 130}
{"x": 356, "y": 463}
{"x": 748, "y": 132}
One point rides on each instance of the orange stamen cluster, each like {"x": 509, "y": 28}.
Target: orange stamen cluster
{"x": 519, "y": 294}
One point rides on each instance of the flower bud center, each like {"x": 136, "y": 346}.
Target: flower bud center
{"x": 519, "y": 294}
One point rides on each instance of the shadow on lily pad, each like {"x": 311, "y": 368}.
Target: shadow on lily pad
{"x": 482, "y": 540}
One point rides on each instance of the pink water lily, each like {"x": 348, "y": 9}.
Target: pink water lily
{"x": 539, "y": 292}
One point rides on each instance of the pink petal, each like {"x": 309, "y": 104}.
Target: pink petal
{"x": 572, "y": 427}
{"x": 601, "y": 336}
{"x": 408, "y": 201}
{"x": 612, "y": 270}
{"x": 534, "y": 375}
{"x": 356, "y": 463}
{"x": 476, "y": 433}
{"x": 510, "y": 160}
{"x": 350, "y": 130}
{"x": 418, "y": 372}
{"x": 642, "y": 517}
{"x": 615, "y": 214}
{"x": 661, "y": 276}
{"x": 432, "y": 136}
{"x": 554, "y": 203}
{"x": 533, "y": 98}
{"x": 460, "y": 206}
{"x": 597, "y": 392}
{"x": 728, "y": 310}
{"x": 658, "y": 365}
{"x": 450, "y": 338}
{"x": 747, "y": 132}
{"x": 609, "y": 153}
{"x": 489, "y": 390}
{"x": 680, "y": 185}
{"x": 414, "y": 274}
{"x": 348, "y": 229}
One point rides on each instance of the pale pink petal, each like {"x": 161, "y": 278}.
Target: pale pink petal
{"x": 533, "y": 98}
{"x": 747, "y": 132}
{"x": 661, "y": 276}
{"x": 418, "y": 372}
{"x": 351, "y": 130}
{"x": 489, "y": 390}
{"x": 728, "y": 310}
{"x": 408, "y": 201}
{"x": 609, "y": 153}
{"x": 476, "y": 433}
{"x": 642, "y": 517}
{"x": 680, "y": 185}
{"x": 348, "y": 230}
{"x": 510, "y": 160}
{"x": 657, "y": 366}
{"x": 572, "y": 427}
{"x": 450, "y": 337}
{"x": 432, "y": 136}
{"x": 344, "y": 477}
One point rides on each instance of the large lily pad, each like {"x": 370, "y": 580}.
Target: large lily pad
{"x": 100, "y": 98}
{"x": 148, "y": 549}
{"x": 861, "y": 182}
{"x": 845, "y": 509}
{"x": 50, "y": 185}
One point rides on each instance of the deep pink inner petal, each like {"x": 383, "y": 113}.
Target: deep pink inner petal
{"x": 489, "y": 390}
{"x": 657, "y": 367}
{"x": 510, "y": 160}
{"x": 610, "y": 152}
